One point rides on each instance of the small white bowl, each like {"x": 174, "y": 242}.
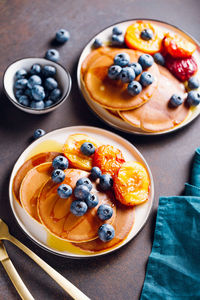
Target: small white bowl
{"x": 62, "y": 76}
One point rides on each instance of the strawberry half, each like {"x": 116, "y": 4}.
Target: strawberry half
{"x": 181, "y": 68}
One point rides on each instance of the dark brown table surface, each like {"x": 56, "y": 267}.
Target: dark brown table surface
{"x": 26, "y": 30}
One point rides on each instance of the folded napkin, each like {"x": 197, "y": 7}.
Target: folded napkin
{"x": 173, "y": 269}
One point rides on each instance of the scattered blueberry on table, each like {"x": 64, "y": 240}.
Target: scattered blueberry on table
{"x": 37, "y": 88}
{"x": 38, "y": 133}
{"x": 106, "y": 232}
{"x": 52, "y": 54}
{"x": 62, "y": 36}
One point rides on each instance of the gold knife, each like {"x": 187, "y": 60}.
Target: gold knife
{"x": 14, "y": 276}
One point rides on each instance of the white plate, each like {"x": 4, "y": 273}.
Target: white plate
{"x": 105, "y": 36}
{"x": 36, "y": 231}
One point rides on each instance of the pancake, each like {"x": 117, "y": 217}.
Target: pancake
{"x": 112, "y": 94}
{"x": 157, "y": 115}
{"x": 31, "y": 186}
{"x": 123, "y": 224}
{"x": 55, "y": 214}
{"x": 28, "y": 165}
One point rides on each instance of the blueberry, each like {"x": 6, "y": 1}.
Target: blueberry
{"x": 127, "y": 75}
{"x": 37, "y": 104}
{"x": 104, "y": 212}
{"x": 62, "y": 36}
{"x": 97, "y": 43}
{"x": 50, "y": 83}
{"x": 146, "y": 79}
{"x": 19, "y": 93}
{"x": 38, "y": 93}
{"x": 95, "y": 173}
{"x": 176, "y": 100}
{"x": 146, "y": 61}
{"x": 24, "y": 100}
{"x": 146, "y": 34}
{"x": 193, "y": 98}
{"x": 87, "y": 148}
{"x": 21, "y": 74}
{"x": 55, "y": 94}
{"x": 117, "y": 40}
{"x": 28, "y": 93}
{"x": 34, "y": 80}
{"x": 136, "y": 67}
{"x": 52, "y": 54}
{"x": 48, "y": 71}
{"x": 114, "y": 72}
{"x": 60, "y": 162}
{"x": 106, "y": 182}
{"x": 21, "y": 83}
{"x": 48, "y": 103}
{"x": 78, "y": 208}
{"x": 122, "y": 59}
{"x": 81, "y": 192}
{"x": 84, "y": 181}
{"x": 92, "y": 200}
{"x": 134, "y": 88}
{"x": 159, "y": 59}
{"x": 35, "y": 69}
{"x": 106, "y": 232}
{"x": 58, "y": 175}
{"x": 38, "y": 133}
{"x": 193, "y": 83}
{"x": 64, "y": 191}
{"x": 117, "y": 30}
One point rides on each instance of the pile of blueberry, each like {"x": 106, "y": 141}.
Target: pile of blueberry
{"x": 124, "y": 70}
{"x": 84, "y": 198}
{"x": 37, "y": 88}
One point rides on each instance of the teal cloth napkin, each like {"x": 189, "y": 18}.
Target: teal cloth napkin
{"x": 173, "y": 269}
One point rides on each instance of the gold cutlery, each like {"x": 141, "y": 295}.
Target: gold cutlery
{"x": 71, "y": 289}
{"x": 13, "y": 275}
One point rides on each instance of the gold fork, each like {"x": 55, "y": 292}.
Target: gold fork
{"x": 73, "y": 291}
{"x": 13, "y": 275}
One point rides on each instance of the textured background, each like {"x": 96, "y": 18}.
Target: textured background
{"x": 26, "y": 29}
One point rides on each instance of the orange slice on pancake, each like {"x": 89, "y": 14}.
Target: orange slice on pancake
{"x": 156, "y": 115}
{"x": 112, "y": 94}
{"x": 31, "y": 186}
{"x": 72, "y": 151}
{"x": 28, "y": 165}
{"x": 122, "y": 224}
{"x": 55, "y": 214}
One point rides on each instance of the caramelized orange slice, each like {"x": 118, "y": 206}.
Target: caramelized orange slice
{"x": 108, "y": 159}
{"x": 72, "y": 151}
{"x": 134, "y": 41}
{"x": 35, "y": 179}
{"x": 55, "y": 215}
{"x": 177, "y": 46}
{"x": 131, "y": 185}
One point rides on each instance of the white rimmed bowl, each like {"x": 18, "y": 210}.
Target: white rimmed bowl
{"x": 62, "y": 76}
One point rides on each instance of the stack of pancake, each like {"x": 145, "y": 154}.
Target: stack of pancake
{"x": 150, "y": 110}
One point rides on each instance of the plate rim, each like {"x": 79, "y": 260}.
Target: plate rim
{"x": 142, "y": 133}
{"x": 71, "y": 255}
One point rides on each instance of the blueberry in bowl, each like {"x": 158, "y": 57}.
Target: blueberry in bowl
{"x": 36, "y": 85}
